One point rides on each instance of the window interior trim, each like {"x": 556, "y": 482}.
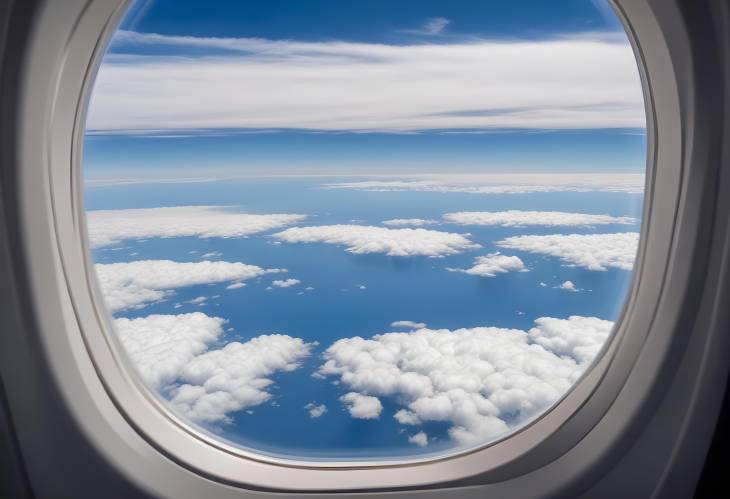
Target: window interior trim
{"x": 114, "y": 411}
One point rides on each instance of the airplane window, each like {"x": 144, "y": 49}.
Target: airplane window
{"x": 364, "y": 231}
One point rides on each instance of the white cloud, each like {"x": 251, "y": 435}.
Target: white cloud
{"x": 272, "y": 84}
{"x": 362, "y": 239}
{"x": 408, "y": 324}
{"x": 591, "y": 251}
{"x": 315, "y": 410}
{"x": 435, "y": 25}
{"x": 503, "y": 183}
{"x": 516, "y": 218}
{"x": 431, "y": 27}
{"x": 286, "y": 283}
{"x": 483, "y": 380}
{"x": 134, "y": 284}
{"x": 236, "y": 376}
{"x": 108, "y": 227}
{"x": 568, "y": 286}
{"x": 578, "y": 337}
{"x": 420, "y": 439}
{"x": 493, "y": 264}
{"x": 212, "y": 254}
{"x": 414, "y": 222}
{"x": 404, "y": 416}
{"x": 362, "y": 406}
{"x": 161, "y": 345}
{"x": 236, "y": 285}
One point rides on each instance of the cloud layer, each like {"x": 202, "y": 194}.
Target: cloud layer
{"x": 408, "y": 324}
{"x": 108, "y": 227}
{"x": 483, "y": 381}
{"x": 517, "y": 218}
{"x": 493, "y": 264}
{"x": 414, "y": 222}
{"x": 503, "y": 183}
{"x": 362, "y": 239}
{"x": 134, "y": 284}
{"x": 591, "y": 251}
{"x": 270, "y": 84}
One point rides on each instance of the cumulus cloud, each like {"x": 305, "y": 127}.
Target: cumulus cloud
{"x": 362, "y": 239}
{"x": 420, "y": 439}
{"x": 483, "y": 380}
{"x": 503, "y": 183}
{"x": 235, "y": 377}
{"x": 275, "y": 84}
{"x": 404, "y": 416}
{"x": 315, "y": 410}
{"x": 408, "y": 324}
{"x": 493, "y": 264}
{"x": 107, "y": 227}
{"x": 236, "y": 285}
{"x": 414, "y": 222}
{"x": 171, "y": 354}
{"x": 286, "y": 283}
{"x": 362, "y": 406}
{"x": 568, "y": 286}
{"x": 591, "y": 251}
{"x": 160, "y": 346}
{"x": 517, "y": 218}
{"x": 134, "y": 284}
{"x": 579, "y": 338}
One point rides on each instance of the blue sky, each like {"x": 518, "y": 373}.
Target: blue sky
{"x": 163, "y": 128}
{"x": 370, "y": 21}
{"x": 310, "y": 153}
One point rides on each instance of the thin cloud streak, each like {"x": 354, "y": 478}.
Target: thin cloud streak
{"x": 572, "y": 83}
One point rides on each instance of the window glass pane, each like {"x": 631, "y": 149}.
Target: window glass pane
{"x": 364, "y": 230}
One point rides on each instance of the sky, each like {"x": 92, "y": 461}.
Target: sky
{"x": 376, "y": 230}
{"x": 327, "y": 87}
